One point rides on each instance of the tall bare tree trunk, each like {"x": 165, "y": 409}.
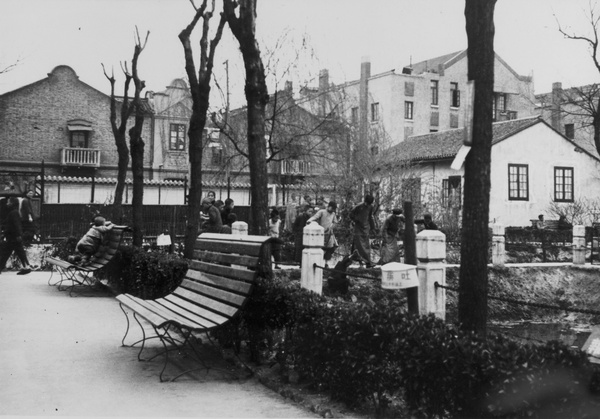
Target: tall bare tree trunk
{"x": 119, "y": 132}
{"x": 200, "y": 90}
{"x": 473, "y": 280}
{"x": 257, "y": 97}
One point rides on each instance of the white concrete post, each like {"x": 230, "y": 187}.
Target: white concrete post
{"x": 498, "y": 248}
{"x": 239, "y": 227}
{"x": 431, "y": 268}
{"x": 313, "y": 239}
{"x": 579, "y": 245}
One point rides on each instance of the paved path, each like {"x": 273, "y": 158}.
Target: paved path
{"x": 62, "y": 356}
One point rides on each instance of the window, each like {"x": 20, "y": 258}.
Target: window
{"x": 177, "y": 137}
{"x": 409, "y": 88}
{"x": 408, "y": 110}
{"x": 451, "y": 192}
{"x": 455, "y": 95}
{"x": 434, "y": 120}
{"x": 216, "y": 157}
{"x": 374, "y": 112}
{"x": 453, "y": 120}
{"x": 563, "y": 184}
{"x": 354, "y": 115}
{"x": 518, "y": 182}
{"x": 79, "y": 139}
{"x": 570, "y": 131}
{"x": 434, "y": 92}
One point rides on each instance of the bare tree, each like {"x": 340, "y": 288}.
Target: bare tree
{"x": 136, "y": 145}
{"x": 243, "y": 27}
{"x": 585, "y": 101}
{"x": 473, "y": 278}
{"x": 119, "y": 132}
{"x": 200, "y": 89}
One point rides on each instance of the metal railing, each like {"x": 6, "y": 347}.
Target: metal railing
{"x": 89, "y": 157}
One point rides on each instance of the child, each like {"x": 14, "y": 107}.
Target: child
{"x": 274, "y": 225}
{"x": 89, "y": 244}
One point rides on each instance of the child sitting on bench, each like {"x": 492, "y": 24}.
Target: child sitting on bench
{"x": 90, "y": 243}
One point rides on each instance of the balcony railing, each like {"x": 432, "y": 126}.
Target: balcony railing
{"x": 80, "y": 157}
{"x": 295, "y": 167}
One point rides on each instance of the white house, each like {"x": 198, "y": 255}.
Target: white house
{"x": 533, "y": 166}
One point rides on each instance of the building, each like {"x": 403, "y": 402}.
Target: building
{"x": 425, "y": 97}
{"x": 570, "y": 111}
{"x": 533, "y": 167}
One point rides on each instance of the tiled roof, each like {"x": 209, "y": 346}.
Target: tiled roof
{"x": 445, "y": 144}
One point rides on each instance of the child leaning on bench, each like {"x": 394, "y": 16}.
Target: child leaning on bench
{"x": 89, "y": 244}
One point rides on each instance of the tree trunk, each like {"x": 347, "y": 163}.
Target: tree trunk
{"x": 136, "y": 145}
{"x": 197, "y": 122}
{"x": 200, "y": 91}
{"x": 123, "y": 163}
{"x": 473, "y": 280}
{"x": 257, "y": 97}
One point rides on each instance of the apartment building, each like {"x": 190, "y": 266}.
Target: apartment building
{"x": 424, "y": 97}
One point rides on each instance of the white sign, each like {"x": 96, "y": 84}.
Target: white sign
{"x": 163, "y": 240}
{"x": 395, "y": 276}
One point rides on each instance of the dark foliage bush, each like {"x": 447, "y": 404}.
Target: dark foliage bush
{"x": 147, "y": 275}
{"x": 370, "y": 349}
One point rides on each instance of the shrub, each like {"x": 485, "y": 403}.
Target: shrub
{"x": 147, "y": 275}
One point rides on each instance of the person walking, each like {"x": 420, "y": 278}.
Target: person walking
{"x": 390, "y": 252}
{"x": 362, "y": 219}
{"x": 326, "y": 218}
{"x": 13, "y": 238}
{"x": 27, "y": 218}
{"x": 298, "y": 231}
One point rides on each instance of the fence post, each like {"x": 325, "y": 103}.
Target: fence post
{"x": 431, "y": 268}
{"x": 313, "y": 239}
{"x": 579, "y": 245}
{"x": 239, "y": 227}
{"x": 498, "y": 248}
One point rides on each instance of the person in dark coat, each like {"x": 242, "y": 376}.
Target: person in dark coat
{"x": 362, "y": 218}
{"x": 13, "y": 238}
{"x": 428, "y": 223}
{"x": 298, "y": 231}
{"x": 390, "y": 252}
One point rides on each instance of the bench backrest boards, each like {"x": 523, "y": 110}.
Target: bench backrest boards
{"x": 222, "y": 275}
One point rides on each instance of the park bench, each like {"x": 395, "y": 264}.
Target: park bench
{"x": 83, "y": 275}
{"x": 217, "y": 285}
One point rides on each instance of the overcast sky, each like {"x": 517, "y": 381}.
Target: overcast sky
{"x": 43, "y": 34}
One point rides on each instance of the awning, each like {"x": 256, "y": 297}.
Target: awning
{"x": 79, "y": 128}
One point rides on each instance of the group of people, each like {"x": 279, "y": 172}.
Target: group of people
{"x": 216, "y": 216}
{"x": 363, "y": 225}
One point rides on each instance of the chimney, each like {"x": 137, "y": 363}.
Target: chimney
{"x": 441, "y": 69}
{"x": 289, "y": 86}
{"x": 363, "y": 100}
{"x": 556, "y": 110}
{"x": 323, "y": 91}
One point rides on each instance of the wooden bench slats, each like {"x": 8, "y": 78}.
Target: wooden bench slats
{"x": 226, "y": 271}
{"x": 204, "y": 318}
{"x": 212, "y": 305}
{"x": 150, "y": 316}
{"x": 228, "y": 258}
{"x": 220, "y": 282}
{"x": 177, "y": 316}
{"x": 216, "y": 286}
{"x": 250, "y": 249}
{"x": 214, "y": 293}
